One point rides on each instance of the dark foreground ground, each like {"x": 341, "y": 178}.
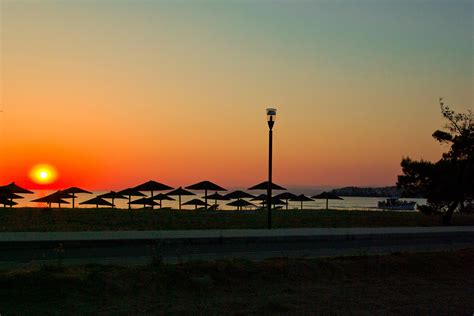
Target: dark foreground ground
{"x": 35, "y": 219}
{"x": 410, "y": 284}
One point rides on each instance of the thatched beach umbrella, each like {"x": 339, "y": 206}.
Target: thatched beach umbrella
{"x": 9, "y": 196}
{"x": 217, "y": 197}
{"x": 261, "y": 197}
{"x": 302, "y": 198}
{"x": 239, "y": 195}
{"x": 62, "y": 195}
{"x": 130, "y": 192}
{"x": 112, "y": 195}
{"x": 196, "y": 203}
{"x": 152, "y": 186}
{"x": 52, "y": 198}
{"x": 286, "y": 196}
{"x": 97, "y": 201}
{"x": 13, "y": 188}
{"x": 205, "y": 186}
{"x": 179, "y": 192}
{"x": 240, "y": 203}
{"x": 146, "y": 201}
{"x": 73, "y": 191}
{"x": 327, "y": 196}
{"x": 56, "y": 197}
{"x": 274, "y": 202}
{"x": 7, "y": 202}
{"x": 264, "y": 186}
{"x": 161, "y": 197}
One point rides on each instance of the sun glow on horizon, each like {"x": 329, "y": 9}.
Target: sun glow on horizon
{"x": 43, "y": 174}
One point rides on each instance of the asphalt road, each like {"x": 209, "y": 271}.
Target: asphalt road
{"x": 145, "y": 250}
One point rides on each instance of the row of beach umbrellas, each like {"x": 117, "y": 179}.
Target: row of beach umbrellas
{"x": 12, "y": 191}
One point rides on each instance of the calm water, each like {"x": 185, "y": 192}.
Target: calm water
{"x": 357, "y": 203}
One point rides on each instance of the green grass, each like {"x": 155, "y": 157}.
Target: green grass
{"x": 36, "y": 219}
{"x": 410, "y": 284}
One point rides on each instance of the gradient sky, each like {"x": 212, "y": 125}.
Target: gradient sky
{"x": 113, "y": 93}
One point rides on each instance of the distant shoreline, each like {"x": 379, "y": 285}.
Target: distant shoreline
{"x": 383, "y": 192}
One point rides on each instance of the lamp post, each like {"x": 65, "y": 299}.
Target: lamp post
{"x": 271, "y": 115}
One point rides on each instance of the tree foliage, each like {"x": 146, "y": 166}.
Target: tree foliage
{"x": 448, "y": 184}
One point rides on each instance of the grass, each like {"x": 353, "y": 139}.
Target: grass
{"x": 37, "y": 219}
{"x": 410, "y": 284}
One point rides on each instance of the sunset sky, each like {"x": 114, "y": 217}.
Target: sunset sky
{"x": 114, "y": 93}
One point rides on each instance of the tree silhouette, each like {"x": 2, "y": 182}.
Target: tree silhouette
{"x": 447, "y": 184}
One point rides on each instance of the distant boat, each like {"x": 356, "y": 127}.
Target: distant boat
{"x": 394, "y": 204}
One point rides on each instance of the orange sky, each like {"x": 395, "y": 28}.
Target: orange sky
{"x": 116, "y": 94}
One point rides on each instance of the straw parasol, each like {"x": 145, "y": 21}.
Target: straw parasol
{"x": 144, "y": 201}
{"x": 9, "y": 195}
{"x": 112, "y": 195}
{"x": 239, "y": 195}
{"x": 62, "y": 195}
{"x": 196, "y": 203}
{"x": 179, "y": 192}
{"x": 240, "y": 203}
{"x": 286, "y": 196}
{"x": 97, "y": 201}
{"x": 264, "y": 186}
{"x": 56, "y": 197}
{"x": 75, "y": 190}
{"x": 205, "y": 186}
{"x": 327, "y": 196}
{"x": 130, "y": 192}
{"x": 13, "y": 188}
{"x": 7, "y": 201}
{"x": 261, "y": 197}
{"x": 274, "y": 201}
{"x": 52, "y": 198}
{"x": 152, "y": 186}
{"x": 302, "y": 198}
{"x": 217, "y": 197}
{"x": 160, "y": 197}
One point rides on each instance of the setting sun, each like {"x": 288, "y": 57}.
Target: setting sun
{"x": 43, "y": 174}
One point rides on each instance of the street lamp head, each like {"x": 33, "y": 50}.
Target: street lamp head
{"x": 271, "y": 116}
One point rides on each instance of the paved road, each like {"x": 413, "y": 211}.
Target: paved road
{"x": 20, "y": 249}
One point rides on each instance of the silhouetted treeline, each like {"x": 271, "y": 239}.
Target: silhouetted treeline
{"x": 448, "y": 183}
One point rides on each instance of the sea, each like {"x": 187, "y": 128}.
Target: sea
{"x": 348, "y": 203}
